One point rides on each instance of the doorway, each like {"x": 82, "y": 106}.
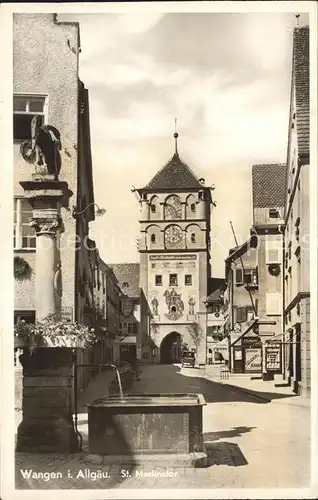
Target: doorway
{"x": 170, "y": 349}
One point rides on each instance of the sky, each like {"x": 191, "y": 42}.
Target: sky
{"x": 226, "y": 77}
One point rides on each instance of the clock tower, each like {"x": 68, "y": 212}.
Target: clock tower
{"x": 174, "y": 248}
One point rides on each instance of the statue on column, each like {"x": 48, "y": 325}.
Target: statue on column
{"x": 43, "y": 149}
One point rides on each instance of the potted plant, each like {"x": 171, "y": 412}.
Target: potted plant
{"x": 50, "y": 332}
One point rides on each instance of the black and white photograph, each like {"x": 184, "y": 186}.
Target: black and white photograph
{"x": 159, "y": 323}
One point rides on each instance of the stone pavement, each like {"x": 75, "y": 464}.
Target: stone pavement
{"x": 250, "y": 443}
{"x": 255, "y": 386}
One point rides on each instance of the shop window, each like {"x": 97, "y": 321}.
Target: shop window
{"x": 25, "y": 108}
{"x": 188, "y": 279}
{"x": 158, "y": 280}
{"x": 173, "y": 280}
{"x": 23, "y": 235}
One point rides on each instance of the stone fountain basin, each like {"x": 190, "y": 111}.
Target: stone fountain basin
{"x": 149, "y": 423}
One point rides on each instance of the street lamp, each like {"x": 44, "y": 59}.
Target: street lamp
{"x": 99, "y": 212}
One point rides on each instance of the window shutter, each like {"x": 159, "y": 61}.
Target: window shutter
{"x": 273, "y": 304}
{"x": 241, "y": 314}
{"x": 239, "y": 276}
{"x": 273, "y": 246}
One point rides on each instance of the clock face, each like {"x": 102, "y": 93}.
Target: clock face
{"x": 173, "y": 237}
{"x": 173, "y": 208}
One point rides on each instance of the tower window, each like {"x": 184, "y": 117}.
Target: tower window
{"x": 192, "y": 206}
{"x": 188, "y": 280}
{"x": 173, "y": 309}
{"x": 153, "y": 208}
{"x": 173, "y": 280}
{"x": 193, "y": 238}
{"x": 158, "y": 280}
{"x": 153, "y": 238}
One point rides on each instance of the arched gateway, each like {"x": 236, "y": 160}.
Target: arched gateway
{"x": 170, "y": 348}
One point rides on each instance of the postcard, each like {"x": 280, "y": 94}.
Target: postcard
{"x": 159, "y": 308}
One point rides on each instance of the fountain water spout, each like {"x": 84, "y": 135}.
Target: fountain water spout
{"x": 119, "y": 381}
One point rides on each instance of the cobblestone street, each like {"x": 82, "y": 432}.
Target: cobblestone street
{"x": 250, "y": 443}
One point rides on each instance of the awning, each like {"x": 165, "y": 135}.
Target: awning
{"x": 222, "y": 347}
{"x": 130, "y": 339}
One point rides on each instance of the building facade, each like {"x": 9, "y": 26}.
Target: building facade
{"x": 50, "y": 89}
{"x": 296, "y": 269}
{"x": 127, "y": 276}
{"x": 268, "y": 182}
{"x": 241, "y": 309}
{"x": 217, "y": 349}
{"x": 174, "y": 263}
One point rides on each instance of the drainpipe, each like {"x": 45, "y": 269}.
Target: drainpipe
{"x": 281, "y": 230}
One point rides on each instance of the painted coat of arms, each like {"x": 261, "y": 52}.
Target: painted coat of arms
{"x": 174, "y": 303}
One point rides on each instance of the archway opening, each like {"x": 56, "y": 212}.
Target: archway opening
{"x": 170, "y": 349}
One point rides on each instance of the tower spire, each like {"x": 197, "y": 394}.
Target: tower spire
{"x": 297, "y": 20}
{"x": 176, "y": 135}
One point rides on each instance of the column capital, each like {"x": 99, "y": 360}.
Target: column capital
{"x": 47, "y": 221}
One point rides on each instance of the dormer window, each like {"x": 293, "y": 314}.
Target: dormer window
{"x": 153, "y": 238}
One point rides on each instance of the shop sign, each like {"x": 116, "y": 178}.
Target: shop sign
{"x": 253, "y": 360}
{"x": 251, "y": 342}
{"x": 173, "y": 257}
{"x": 273, "y": 358}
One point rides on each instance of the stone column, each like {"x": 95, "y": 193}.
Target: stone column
{"x": 47, "y": 424}
{"x": 47, "y": 224}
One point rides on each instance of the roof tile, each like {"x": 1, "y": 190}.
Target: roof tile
{"x": 301, "y": 86}
{"x": 127, "y": 273}
{"x": 175, "y": 174}
{"x": 269, "y": 185}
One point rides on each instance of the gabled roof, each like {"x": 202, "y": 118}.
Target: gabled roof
{"x": 269, "y": 185}
{"x": 175, "y": 174}
{"x": 127, "y": 275}
{"x": 301, "y": 87}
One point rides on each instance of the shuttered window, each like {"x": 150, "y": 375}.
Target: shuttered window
{"x": 241, "y": 314}
{"x": 273, "y": 246}
{"x": 273, "y": 304}
{"x": 239, "y": 276}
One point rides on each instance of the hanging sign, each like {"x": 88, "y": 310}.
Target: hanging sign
{"x": 273, "y": 358}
